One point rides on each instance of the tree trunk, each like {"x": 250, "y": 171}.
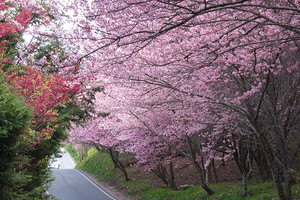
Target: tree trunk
{"x": 278, "y": 182}
{"x": 114, "y": 155}
{"x": 215, "y": 170}
{"x": 162, "y": 173}
{"x": 197, "y": 167}
{"x": 208, "y": 174}
{"x": 284, "y": 163}
{"x": 245, "y": 185}
{"x": 275, "y": 169}
{"x": 118, "y": 163}
{"x": 172, "y": 177}
{"x": 287, "y": 183}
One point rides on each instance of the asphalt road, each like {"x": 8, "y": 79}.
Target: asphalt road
{"x": 73, "y": 184}
{"x": 66, "y": 161}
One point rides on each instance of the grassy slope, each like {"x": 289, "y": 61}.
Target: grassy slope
{"x": 72, "y": 152}
{"x": 146, "y": 187}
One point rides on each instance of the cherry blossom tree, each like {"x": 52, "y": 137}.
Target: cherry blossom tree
{"x": 235, "y": 61}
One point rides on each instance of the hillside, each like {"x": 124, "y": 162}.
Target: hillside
{"x": 146, "y": 186}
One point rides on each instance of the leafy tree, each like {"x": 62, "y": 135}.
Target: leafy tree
{"x": 15, "y": 117}
{"x": 48, "y": 97}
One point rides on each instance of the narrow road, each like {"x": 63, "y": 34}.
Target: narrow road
{"x": 66, "y": 161}
{"x": 74, "y": 184}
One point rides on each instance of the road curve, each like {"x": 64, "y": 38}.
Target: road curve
{"x": 66, "y": 161}
{"x": 72, "y": 184}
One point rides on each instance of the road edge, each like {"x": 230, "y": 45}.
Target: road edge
{"x": 108, "y": 189}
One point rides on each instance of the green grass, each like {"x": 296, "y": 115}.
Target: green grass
{"x": 99, "y": 164}
{"x": 226, "y": 191}
{"x": 72, "y": 151}
{"x": 146, "y": 187}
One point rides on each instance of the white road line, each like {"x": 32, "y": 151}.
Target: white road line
{"x": 95, "y": 185}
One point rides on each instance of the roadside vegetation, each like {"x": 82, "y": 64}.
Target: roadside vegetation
{"x": 37, "y": 103}
{"x": 72, "y": 151}
{"x": 148, "y": 187}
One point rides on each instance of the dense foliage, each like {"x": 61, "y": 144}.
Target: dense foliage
{"x": 33, "y": 123}
{"x": 14, "y": 119}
